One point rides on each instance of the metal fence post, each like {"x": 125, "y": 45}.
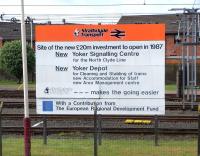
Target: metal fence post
{"x": 1, "y": 107}
{"x": 99, "y": 129}
{"x": 179, "y": 81}
{"x": 44, "y": 130}
{"x": 156, "y": 130}
{"x": 95, "y": 133}
{"x": 198, "y": 135}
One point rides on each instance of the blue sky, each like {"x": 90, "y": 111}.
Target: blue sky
{"x": 90, "y": 14}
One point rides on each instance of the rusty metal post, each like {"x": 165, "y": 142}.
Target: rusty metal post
{"x": 198, "y": 150}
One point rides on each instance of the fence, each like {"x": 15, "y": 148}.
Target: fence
{"x": 101, "y": 135}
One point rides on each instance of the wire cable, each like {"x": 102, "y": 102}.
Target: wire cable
{"x": 95, "y": 5}
{"x": 100, "y": 14}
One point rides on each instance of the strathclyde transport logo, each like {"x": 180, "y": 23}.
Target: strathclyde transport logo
{"x": 46, "y": 90}
{"x": 57, "y": 90}
{"x": 76, "y": 32}
{"x": 90, "y": 32}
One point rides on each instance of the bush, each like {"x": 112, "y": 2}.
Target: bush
{"x": 11, "y": 59}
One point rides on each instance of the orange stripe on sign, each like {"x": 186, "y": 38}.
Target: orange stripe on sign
{"x": 122, "y": 32}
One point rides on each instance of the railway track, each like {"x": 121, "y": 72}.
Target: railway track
{"x": 16, "y": 93}
{"x": 32, "y": 95}
{"x": 110, "y": 124}
{"x": 14, "y": 100}
{"x": 169, "y": 105}
{"x": 165, "y": 118}
{"x": 57, "y": 130}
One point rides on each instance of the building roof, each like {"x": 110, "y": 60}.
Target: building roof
{"x": 12, "y": 31}
{"x": 171, "y": 20}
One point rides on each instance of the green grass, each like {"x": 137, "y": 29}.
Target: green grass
{"x": 9, "y": 84}
{"x": 109, "y": 147}
{"x": 13, "y": 85}
{"x": 170, "y": 87}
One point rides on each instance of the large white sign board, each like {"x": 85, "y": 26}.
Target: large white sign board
{"x": 118, "y": 68}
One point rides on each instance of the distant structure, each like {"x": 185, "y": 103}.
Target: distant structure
{"x": 173, "y": 47}
{"x": 173, "y": 50}
{"x": 189, "y": 38}
{"x": 12, "y": 31}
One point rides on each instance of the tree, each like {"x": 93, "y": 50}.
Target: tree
{"x": 11, "y": 59}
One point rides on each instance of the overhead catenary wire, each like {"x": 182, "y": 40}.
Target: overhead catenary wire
{"x": 82, "y": 16}
{"x": 68, "y": 19}
{"x": 97, "y": 5}
{"x": 110, "y": 16}
{"x": 100, "y": 14}
{"x": 73, "y": 18}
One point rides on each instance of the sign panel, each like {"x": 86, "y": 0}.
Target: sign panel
{"x": 118, "y": 68}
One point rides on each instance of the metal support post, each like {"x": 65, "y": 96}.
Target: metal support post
{"x": 190, "y": 40}
{"x": 195, "y": 54}
{"x": 156, "y": 130}
{"x": 95, "y": 132}
{"x": 193, "y": 33}
{"x": 27, "y": 136}
{"x": 1, "y": 108}
{"x": 183, "y": 66}
{"x": 27, "y": 122}
{"x": 198, "y": 136}
{"x": 188, "y": 60}
{"x": 31, "y": 26}
{"x": 44, "y": 130}
{"x": 179, "y": 84}
{"x": 99, "y": 129}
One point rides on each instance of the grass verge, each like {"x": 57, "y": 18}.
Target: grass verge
{"x": 170, "y": 87}
{"x": 9, "y": 84}
{"x": 110, "y": 147}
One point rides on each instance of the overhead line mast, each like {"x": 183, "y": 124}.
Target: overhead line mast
{"x": 189, "y": 31}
